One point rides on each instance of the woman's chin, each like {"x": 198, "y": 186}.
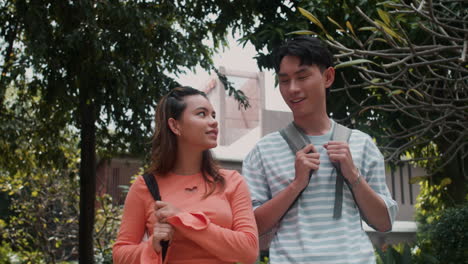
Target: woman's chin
{"x": 212, "y": 145}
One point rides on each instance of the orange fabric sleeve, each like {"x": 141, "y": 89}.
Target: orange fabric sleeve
{"x": 129, "y": 248}
{"x": 226, "y": 244}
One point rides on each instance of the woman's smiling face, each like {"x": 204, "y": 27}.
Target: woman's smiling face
{"x": 197, "y": 127}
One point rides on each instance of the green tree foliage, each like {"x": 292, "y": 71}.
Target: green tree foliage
{"x": 445, "y": 237}
{"x": 99, "y": 67}
{"x": 277, "y": 19}
{"x": 40, "y": 176}
{"x": 43, "y": 225}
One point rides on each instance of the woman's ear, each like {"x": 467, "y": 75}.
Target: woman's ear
{"x": 174, "y": 126}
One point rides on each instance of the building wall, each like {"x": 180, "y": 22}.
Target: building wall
{"x": 111, "y": 174}
{"x": 234, "y": 121}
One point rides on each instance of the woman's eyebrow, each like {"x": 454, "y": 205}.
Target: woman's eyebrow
{"x": 201, "y": 108}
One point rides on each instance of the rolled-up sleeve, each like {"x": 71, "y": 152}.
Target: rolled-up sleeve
{"x": 373, "y": 169}
{"x": 254, "y": 174}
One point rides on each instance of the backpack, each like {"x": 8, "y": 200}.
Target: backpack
{"x": 153, "y": 187}
{"x": 297, "y": 140}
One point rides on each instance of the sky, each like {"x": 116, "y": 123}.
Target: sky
{"x": 237, "y": 57}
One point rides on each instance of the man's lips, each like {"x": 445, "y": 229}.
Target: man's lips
{"x": 295, "y": 101}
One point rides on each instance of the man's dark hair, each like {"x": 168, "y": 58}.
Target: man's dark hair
{"x": 310, "y": 50}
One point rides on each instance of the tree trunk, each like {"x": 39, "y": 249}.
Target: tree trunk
{"x": 456, "y": 170}
{"x": 87, "y": 178}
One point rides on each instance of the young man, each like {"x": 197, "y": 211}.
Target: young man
{"x": 309, "y": 232}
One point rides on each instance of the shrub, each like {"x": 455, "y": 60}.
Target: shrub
{"x": 448, "y": 235}
{"x": 106, "y": 227}
{"x": 395, "y": 254}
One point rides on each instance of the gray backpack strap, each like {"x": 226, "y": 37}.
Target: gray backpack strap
{"x": 293, "y": 136}
{"x": 297, "y": 140}
{"x": 340, "y": 133}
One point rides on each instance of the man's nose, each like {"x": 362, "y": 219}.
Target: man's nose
{"x": 293, "y": 86}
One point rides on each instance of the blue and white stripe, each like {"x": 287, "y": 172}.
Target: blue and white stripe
{"x": 308, "y": 233}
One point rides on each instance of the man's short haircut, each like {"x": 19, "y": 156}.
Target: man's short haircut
{"x": 310, "y": 50}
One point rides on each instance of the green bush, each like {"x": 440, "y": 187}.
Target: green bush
{"x": 6, "y": 253}
{"x": 403, "y": 253}
{"x": 395, "y": 254}
{"x": 448, "y": 235}
{"x": 108, "y": 216}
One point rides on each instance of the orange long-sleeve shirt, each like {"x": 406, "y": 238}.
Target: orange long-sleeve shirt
{"x": 218, "y": 229}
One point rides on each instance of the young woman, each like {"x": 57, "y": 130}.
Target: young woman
{"x": 206, "y": 213}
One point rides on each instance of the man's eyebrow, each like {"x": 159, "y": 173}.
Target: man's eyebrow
{"x": 301, "y": 71}
{"x": 280, "y": 74}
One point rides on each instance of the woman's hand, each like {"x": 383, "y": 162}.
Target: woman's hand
{"x": 161, "y": 232}
{"x": 163, "y": 210}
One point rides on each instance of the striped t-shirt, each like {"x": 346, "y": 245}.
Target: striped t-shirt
{"x": 308, "y": 233}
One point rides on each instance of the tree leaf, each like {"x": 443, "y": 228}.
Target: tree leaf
{"x": 302, "y": 32}
{"x": 445, "y": 182}
{"x": 384, "y": 16}
{"x": 389, "y": 31}
{"x": 334, "y": 22}
{"x": 312, "y": 18}
{"x": 372, "y": 87}
{"x": 353, "y": 62}
{"x": 417, "y": 179}
{"x": 396, "y": 92}
{"x": 350, "y": 27}
{"x": 380, "y": 40}
{"x": 416, "y": 92}
{"x": 367, "y": 29}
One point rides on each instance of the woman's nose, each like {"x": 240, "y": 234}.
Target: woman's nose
{"x": 213, "y": 122}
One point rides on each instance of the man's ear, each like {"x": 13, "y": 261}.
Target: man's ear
{"x": 174, "y": 126}
{"x": 329, "y": 75}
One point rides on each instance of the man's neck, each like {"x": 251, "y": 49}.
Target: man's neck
{"x": 314, "y": 125}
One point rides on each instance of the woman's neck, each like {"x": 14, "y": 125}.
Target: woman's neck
{"x": 187, "y": 162}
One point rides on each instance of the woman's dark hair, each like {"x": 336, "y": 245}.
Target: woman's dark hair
{"x": 164, "y": 141}
{"x": 310, "y": 50}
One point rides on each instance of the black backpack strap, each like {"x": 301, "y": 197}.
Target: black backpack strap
{"x": 153, "y": 187}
